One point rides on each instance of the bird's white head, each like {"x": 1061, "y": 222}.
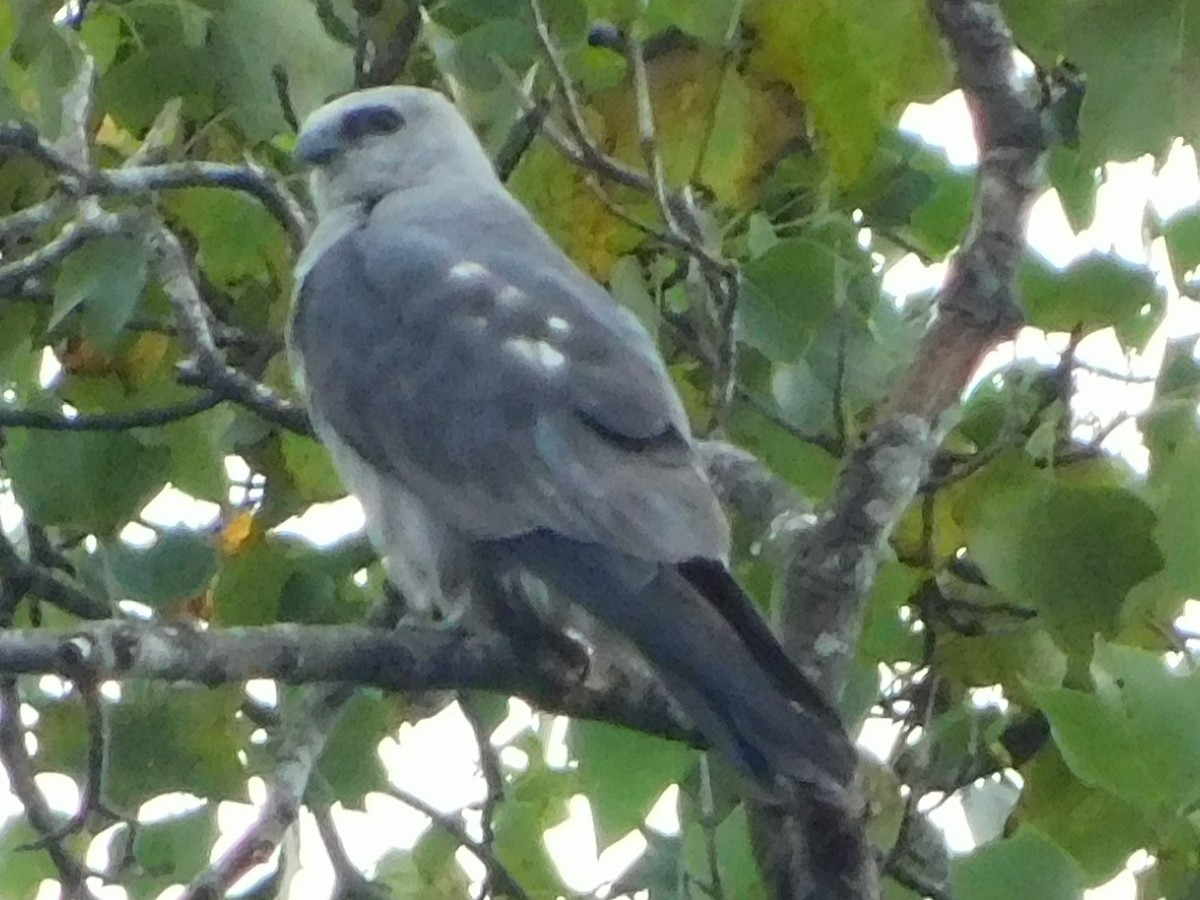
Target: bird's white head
{"x": 372, "y": 142}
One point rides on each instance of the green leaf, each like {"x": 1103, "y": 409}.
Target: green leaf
{"x": 1008, "y": 401}
{"x": 1182, "y": 235}
{"x": 105, "y": 276}
{"x": 1170, "y": 423}
{"x": 1069, "y": 549}
{"x": 62, "y": 736}
{"x": 911, "y": 191}
{"x": 90, "y": 480}
{"x": 198, "y": 448}
{"x": 252, "y": 41}
{"x": 885, "y": 638}
{"x": 173, "y": 851}
{"x": 1095, "y": 292}
{"x": 1038, "y": 26}
{"x": 161, "y": 739}
{"x": 1096, "y": 828}
{"x": 735, "y": 856}
{"x": 238, "y": 238}
{"x": 534, "y": 801}
{"x": 428, "y": 871}
{"x": 709, "y": 20}
{"x": 175, "y": 738}
{"x": 166, "y": 59}
{"x": 8, "y": 26}
{"x": 806, "y": 45}
{"x": 101, "y": 34}
{"x": 23, "y": 870}
{"x": 792, "y": 289}
{"x": 250, "y": 587}
{"x": 624, "y": 772}
{"x": 19, "y": 324}
{"x": 179, "y": 565}
{"x": 1018, "y": 868}
{"x": 350, "y": 763}
{"x": 1177, "y": 485}
{"x": 1076, "y": 182}
{"x": 1017, "y": 659}
{"x": 802, "y": 464}
{"x": 1140, "y": 60}
{"x": 311, "y": 468}
{"x": 1136, "y": 736}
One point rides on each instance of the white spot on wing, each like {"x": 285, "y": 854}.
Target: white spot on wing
{"x": 476, "y": 323}
{"x": 558, "y": 325}
{"x": 537, "y": 352}
{"x": 510, "y": 295}
{"x": 466, "y": 270}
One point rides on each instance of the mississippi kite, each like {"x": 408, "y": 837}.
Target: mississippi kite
{"x": 498, "y": 414}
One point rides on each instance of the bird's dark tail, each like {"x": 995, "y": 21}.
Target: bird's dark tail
{"x": 713, "y": 650}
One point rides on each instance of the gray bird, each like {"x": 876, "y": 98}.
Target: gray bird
{"x": 499, "y": 416}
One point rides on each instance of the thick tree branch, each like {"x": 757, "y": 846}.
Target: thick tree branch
{"x": 831, "y": 574}
{"x": 405, "y": 659}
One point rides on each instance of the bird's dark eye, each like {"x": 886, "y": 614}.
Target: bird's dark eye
{"x": 368, "y": 120}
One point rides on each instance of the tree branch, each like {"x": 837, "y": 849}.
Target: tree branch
{"x": 498, "y": 875}
{"x": 208, "y": 367}
{"x": 118, "y": 421}
{"x": 249, "y": 179}
{"x": 830, "y": 577}
{"x": 47, "y": 585}
{"x": 404, "y": 659}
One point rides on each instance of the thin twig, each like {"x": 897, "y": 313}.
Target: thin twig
{"x": 648, "y": 137}
{"x": 501, "y": 878}
{"x": 250, "y": 179}
{"x": 73, "y": 236}
{"x": 118, "y": 421}
{"x": 350, "y": 883}
{"x": 208, "y": 368}
{"x": 493, "y": 775}
{"x": 49, "y": 586}
{"x": 26, "y": 221}
{"x": 91, "y": 800}
{"x": 19, "y": 767}
{"x": 1112, "y": 374}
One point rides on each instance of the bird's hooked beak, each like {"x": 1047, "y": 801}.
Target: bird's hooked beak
{"x": 317, "y": 146}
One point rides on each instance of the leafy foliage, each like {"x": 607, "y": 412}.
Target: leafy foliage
{"x": 1034, "y": 562}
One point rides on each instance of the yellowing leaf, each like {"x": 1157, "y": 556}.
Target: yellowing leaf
{"x": 855, "y": 64}
{"x": 239, "y": 535}
{"x": 556, "y": 192}
{"x": 145, "y": 357}
{"x": 713, "y": 124}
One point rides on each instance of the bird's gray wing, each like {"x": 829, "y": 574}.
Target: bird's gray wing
{"x": 455, "y": 347}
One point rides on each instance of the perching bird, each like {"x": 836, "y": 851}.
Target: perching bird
{"x": 496, "y": 412}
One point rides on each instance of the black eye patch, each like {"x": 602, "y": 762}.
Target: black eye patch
{"x": 368, "y": 120}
